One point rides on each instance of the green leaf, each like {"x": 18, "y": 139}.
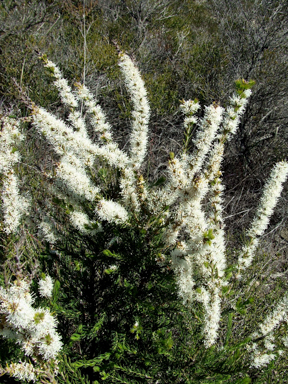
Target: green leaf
{"x": 229, "y": 327}
{"x": 102, "y": 173}
{"x": 75, "y": 337}
{"x": 206, "y": 264}
{"x": 91, "y": 363}
{"x": 108, "y": 271}
{"x": 245, "y": 380}
{"x": 108, "y": 253}
{"x": 160, "y": 181}
{"x": 55, "y": 292}
{"x": 241, "y": 85}
{"x": 208, "y": 236}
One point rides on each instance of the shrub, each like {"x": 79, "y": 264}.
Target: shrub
{"x": 143, "y": 292}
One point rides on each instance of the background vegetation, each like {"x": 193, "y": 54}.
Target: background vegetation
{"x": 184, "y": 49}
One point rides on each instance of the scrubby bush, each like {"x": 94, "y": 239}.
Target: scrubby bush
{"x": 145, "y": 287}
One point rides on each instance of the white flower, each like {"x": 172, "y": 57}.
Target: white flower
{"x": 22, "y": 371}
{"x": 32, "y": 328}
{"x": 170, "y": 235}
{"x": 54, "y": 68}
{"x": 10, "y": 137}
{"x": 78, "y": 122}
{"x": 14, "y": 205}
{"x": 141, "y": 113}
{"x": 48, "y": 231}
{"x": 205, "y": 136}
{"x": 98, "y": 117}
{"x": 234, "y": 112}
{"x": 73, "y": 174}
{"x": 247, "y": 93}
{"x": 271, "y": 194}
{"x": 46, "y": 287}
{"x": 66, "y": 94}
{"x": 64, "y": 89}
{"x": 128, "y": 185}
{"x": 50, "y": 345}
{"x": 260, "y": 360}
{"x": 268, "y": 343}
{"x": 189, "y": 107}
{"x": 82, "y": 222}
{"x": 43, "y": 323}
{"x": 61, "y": 136}
{"x": 112, "y": 212}
{"x": 113, "y": 155}
{"x": 177, "y": 173}
{"x": 19, "y": 312}
{"x": 212, "y": 319}
{"x": 276, "y": 317}
{"x": 183, "y": 270}
{"x": 66, "y": 141}
{"x": 190, "y": 120}
{"x": 16, "y": 305}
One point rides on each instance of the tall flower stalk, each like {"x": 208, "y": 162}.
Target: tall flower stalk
{"x": 14, "y": 205}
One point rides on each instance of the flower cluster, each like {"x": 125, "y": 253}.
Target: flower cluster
{"x": 271, "y": 194}
{"x": 111, "y": 211}
{"x": 22, "y": 371}
{"x": 46, "y": 287}
{"x": 262, "y": 354}
{"x": 10, "y": 137}
{"x": 98, "y": 121}
{"x": 65, "y": 91}
{"x": 34, "y": 329}
{"x": 140, "y": 115}
{"x": 192, "y": 177}
{"x": 78, "y": 152}
{"x": 235, "y": 110}
{"x": 14, "y": 205}
{"x": 259, "y": 357}
{"x": 48, "y": 231}
{"x": 82, "y": 223}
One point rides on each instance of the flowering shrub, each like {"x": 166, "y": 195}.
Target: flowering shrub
{"x": 134, "y": 239}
